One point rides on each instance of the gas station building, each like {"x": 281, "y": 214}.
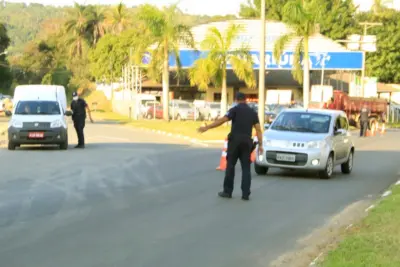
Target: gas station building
{"x": 327, "y": 57}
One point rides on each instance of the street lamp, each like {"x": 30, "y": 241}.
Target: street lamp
{"x": 357, "y": 42}
{"x": 261, "y": 83}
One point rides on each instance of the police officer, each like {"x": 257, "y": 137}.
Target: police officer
{"x": 79, "y": 107}
{"x": 240, "y": 144}
{"x": 364, "y": 120}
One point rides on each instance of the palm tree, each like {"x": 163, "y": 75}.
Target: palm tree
{"x": 213, "y": 68}
{"x": 302, "y": 17}
{"x": 95, "y": 23}
{"x": 167, "y": 35}
{"x": 77, "y": 30}
{"x": 118, "y": 19}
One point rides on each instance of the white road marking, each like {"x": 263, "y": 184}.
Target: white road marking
{"x": 370, "y": 208}
{"x": 387, "y": 193}
{"x": 314, "y": 262}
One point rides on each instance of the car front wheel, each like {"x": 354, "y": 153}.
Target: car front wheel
{"x": 260, "y": 170}
{"x": 328, "y": 171}
{"x": 347, "y": 167}
{"x": 11, "y": 145}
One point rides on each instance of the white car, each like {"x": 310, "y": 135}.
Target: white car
{"x": 308, "y": 139}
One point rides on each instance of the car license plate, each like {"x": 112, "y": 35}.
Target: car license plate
{"x": 36, "y": 135}
{"x": 286, "y": 157}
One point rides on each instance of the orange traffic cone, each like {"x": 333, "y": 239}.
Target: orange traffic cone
{"x": 222, "y": 162}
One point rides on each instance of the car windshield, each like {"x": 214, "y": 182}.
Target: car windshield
{"x": 38, "y": 108}
{"x": 302, "y": 122}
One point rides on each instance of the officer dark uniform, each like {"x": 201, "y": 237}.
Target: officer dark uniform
{"x": 240, "y": 144}
{"x": 364, "y": 120}
{"x": 79, "y": 107}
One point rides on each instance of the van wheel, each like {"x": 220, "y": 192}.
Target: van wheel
{"x": 11, "y": 145}
{"x": 327, "y": 173}
{"x": 64, "y": 146}
{"x": 260, "y": 170}
{"x": 347, "y": 167}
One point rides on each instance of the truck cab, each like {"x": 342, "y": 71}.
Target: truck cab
{"x": 38, "y": 116}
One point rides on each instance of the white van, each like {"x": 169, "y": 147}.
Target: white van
{"x": 38, "y": 116}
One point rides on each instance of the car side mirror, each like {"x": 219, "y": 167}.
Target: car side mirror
{"x": 340, "y": 132}
{"x": 8, "y": 113}
{"x": 266, "y": 126}
{"x": 68, "y": 113}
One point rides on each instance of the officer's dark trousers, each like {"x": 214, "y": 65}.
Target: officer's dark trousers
{"x": 363, "y": 128}
{"x": 239, "y": 147}
{"x": 79, "y": 125}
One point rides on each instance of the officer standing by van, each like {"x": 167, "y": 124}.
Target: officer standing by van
{"x": 240, "y": 144}
{"x": 364, "y": 120}
{"x": 79, "y": 108}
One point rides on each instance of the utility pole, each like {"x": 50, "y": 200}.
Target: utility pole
{"x": 261, "y": 83}
{"x": 366, "y": 25}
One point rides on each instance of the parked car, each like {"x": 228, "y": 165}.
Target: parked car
{"x": 178, "y": 110}
{"x": 210, "y": 111}
{"x": 156, "y": 112}
{"x": 269, "y": 115}
{"x": 183, "y": 110}
{"x": 307, "y": 139}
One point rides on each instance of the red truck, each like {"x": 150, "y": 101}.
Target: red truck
{"x": 352, "y": 106}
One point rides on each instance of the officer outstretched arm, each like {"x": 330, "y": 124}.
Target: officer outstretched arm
{"x": 215, "y": 124}
{"x": 218, "y": 122}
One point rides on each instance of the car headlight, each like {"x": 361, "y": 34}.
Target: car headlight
{"x": 267, "y": 142}
{"x": 16, "y": 124}
{"x": 56, "y": 124}
{"x": 315, "y": 144}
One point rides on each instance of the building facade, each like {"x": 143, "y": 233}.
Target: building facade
{"x": 325, "y": 54}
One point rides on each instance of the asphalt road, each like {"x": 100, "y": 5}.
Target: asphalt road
{"x": 144, "y": 200}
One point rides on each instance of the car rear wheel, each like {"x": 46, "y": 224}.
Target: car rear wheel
{"x": 328, "y": 171}
{"x": 149, "y": 116}
{"x": 260, "y": 170}
{"x": 347, "y": 167}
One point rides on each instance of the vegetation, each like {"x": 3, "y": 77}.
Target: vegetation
{"x": 221, "y": 54}
{"x": 166, "y": 34}
{"x": 374, "y": 241}
{"x": 302, "y": 17}
{"x": 75, "y": 46}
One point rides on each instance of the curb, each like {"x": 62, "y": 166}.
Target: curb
{"x": 387, "y": 193}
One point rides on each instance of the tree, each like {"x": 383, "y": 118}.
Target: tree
{"x": 213, "y": 68}
{"x": 339, "y": 20}
{"x": 112, "y": 52}
{"x": 167, "y": 34}
{"x": 77, "y": 30}
{"x": 5, "y": 74}
{"x": 302, "y": 16}
{"x": 273, "y": 9}
{"x": 118, "y": 19}
{"x": 95, "y": 25}
{"x": 384, "y": 63}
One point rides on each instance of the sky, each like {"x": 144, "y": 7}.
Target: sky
{"x": 203, "y": 7}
